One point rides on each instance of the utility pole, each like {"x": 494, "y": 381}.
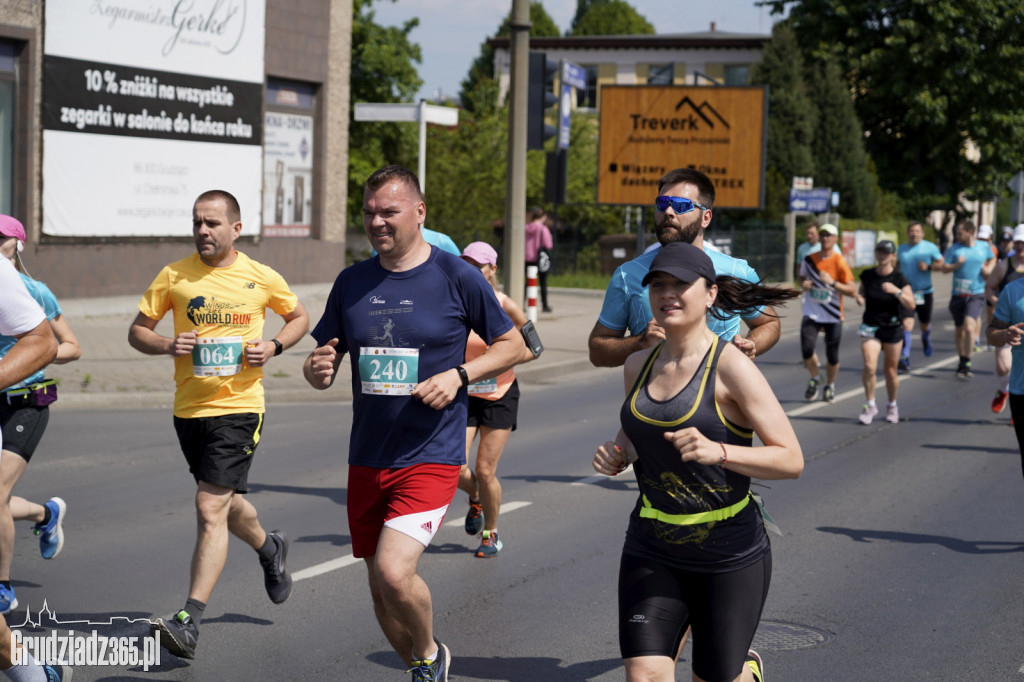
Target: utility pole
{"x": 513, "y": 256}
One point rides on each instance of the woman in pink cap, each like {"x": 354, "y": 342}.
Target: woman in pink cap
{"x": 493, "y": 405}
{"x": 24, "y": 414}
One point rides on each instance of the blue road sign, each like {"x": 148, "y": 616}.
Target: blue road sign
{"x": 574, "y": 75}
{"x": 812, "y": 200}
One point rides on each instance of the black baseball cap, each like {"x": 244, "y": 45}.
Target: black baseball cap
{"x": 683, "y": 261}
{"x": 886, "y": 246}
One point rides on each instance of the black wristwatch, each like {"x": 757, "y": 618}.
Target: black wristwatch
{"x": 462, "y": 375}
{"x": 280, "y": 347}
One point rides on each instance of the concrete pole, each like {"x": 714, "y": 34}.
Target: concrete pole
{"x": 513, "y": 257}
{"x": 790, "y": 222}
{"x": 421, "y": 169}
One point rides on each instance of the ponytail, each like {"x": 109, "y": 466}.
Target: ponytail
{"x": 740, "y": 297}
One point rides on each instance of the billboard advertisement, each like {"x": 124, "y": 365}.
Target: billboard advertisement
{"x": 145, "y": 106}
{"x": 648, "y": 130}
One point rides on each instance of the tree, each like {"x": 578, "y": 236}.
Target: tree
{"x": 611, "y": 18}
{"x": 382, "y": 71}
{"x": 840, "y": 156}
{"x": 482, "y": 69}
{"x": 932, "y": 79}
{"x": 791, "y": 117}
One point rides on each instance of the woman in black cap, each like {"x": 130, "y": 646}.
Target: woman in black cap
{"x": 883, "y": 289}
{"x": 696, "y": 551}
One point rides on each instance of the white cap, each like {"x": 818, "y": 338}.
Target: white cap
{"x": 1018, "y": 233}
{"x": 984, "y": 232}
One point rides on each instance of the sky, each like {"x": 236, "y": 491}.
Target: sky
{"x": 451, "y": 31}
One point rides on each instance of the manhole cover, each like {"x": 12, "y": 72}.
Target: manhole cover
{"x": 788, "y": 636}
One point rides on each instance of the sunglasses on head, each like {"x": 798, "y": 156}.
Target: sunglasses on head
{"x": 679, "y": 205}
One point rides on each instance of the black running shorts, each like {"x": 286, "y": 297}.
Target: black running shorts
{"x": 219, "y": 449}
{"x": 23, "y": 427}
{"x": 496, "y": 414}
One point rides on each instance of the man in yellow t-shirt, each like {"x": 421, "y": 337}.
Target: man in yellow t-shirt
{"x": 219, "y": 298}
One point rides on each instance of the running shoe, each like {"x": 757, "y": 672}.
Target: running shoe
{"x": 892, "y": 414}
{"x": 968, "y": 373}
{"x": 490, "y": 545}
{"x": 829, "y": 394}
{"x": 474, "y": 517}
{"x": 178, "y": 634}
{"x": 756, "y": 665}
{"x": 276, "y": 578}
{"x": 8, "y": 602}
{"x": 926, "y": 343}
{"x": 57, "y": 673}
{"x": 904, "y": 364}
{"x": 999, "y": 402}
{"x": 812, "y": 388}
{"x": 867, "y": 414}
{"x": 51, "y": 535}
{"x": 435, "y": 670}
{"x": 961, "y": 370}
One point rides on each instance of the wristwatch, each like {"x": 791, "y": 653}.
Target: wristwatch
{"x": 462, "y": 375}
{"x": 280, "y": 346}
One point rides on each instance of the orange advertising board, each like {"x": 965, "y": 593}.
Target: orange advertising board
{"x": 648, "y": 130}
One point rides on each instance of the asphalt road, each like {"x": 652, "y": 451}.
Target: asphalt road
{"x": 900, "y": 556}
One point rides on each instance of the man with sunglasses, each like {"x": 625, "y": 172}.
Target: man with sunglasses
{"x": 683, "y": 211}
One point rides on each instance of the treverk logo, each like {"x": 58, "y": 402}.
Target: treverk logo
{"x": 690, "y": 117}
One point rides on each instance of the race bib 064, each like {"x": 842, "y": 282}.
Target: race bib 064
{"x": 219, "y": 356}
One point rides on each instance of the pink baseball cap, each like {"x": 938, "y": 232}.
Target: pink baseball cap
{"x": 481, "y": 252}
{"x": 11, "y": 227}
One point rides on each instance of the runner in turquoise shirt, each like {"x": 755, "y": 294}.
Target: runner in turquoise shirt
{"x": 917, "y": 259}
{"x": 971, "y": 261}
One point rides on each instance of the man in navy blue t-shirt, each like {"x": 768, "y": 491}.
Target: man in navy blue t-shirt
{"x": 403, "y": 317}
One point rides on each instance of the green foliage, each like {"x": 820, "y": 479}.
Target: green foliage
{"x": 842, "y": 162}
{"x": 482, "y": 68}
{"x": 610, "y": 18}
{"x": 383, "y": 70}
{"x": 791, "y": 117}
{"x": 929, "y": 76}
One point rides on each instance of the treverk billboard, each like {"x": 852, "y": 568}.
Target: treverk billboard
{"x": 647, "y": 131}
{"x": 145, "y": 106}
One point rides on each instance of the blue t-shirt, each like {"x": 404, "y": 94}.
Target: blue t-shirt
{"x": 414, "y": 325}
{"x": 1010, "y": 309}
{"x": 967, "y": 279}
{"x": 48, "y": 302}
{"x": 627, "y": 305}
{"x": 909, "y": 257}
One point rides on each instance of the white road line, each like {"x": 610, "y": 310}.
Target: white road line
{"x": 348, "y": 559}
{"x": 854, "y": 392}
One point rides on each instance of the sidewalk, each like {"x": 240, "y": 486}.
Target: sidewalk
{"x": 111, "y": 373}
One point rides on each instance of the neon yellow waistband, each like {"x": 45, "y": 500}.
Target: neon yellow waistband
{"x": 649, "y": 512}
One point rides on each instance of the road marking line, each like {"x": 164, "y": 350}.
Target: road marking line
{"x": 348, "y": 559}
{"x": 853, "y": 392}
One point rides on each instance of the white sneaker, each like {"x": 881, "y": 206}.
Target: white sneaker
{"x": 892, "y": 414}
{"x": 867, "y": 414}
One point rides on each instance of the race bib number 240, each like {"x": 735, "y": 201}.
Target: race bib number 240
{"x": 388, "y": 371}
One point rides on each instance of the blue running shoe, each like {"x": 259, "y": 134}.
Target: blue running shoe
{"x": 490, "y": 545}
{"x": 51, "y": 535}
{"x": 8, "y": 602}
{"x": 432, "y": 671}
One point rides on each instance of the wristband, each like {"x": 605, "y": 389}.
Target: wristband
{"x": 279, "y": 346}
{"x": 725, "y": 455}
{"x": 462, "y": 375}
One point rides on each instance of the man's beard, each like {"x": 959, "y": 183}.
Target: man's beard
{"x": 686, "y": 232}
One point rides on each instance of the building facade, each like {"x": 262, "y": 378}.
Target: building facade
{"x": 114, "y": 116}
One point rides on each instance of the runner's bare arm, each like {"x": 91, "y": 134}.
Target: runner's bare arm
{"x": 34, "y": 349}
{"x": 143, "y": 338}
{"x": 259, "y": 352}
{"x": 611, "y": 347}
{"x": 502, "y": 353}
{"x": 321, "y": 366}
{"x": 763, "y": 333}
